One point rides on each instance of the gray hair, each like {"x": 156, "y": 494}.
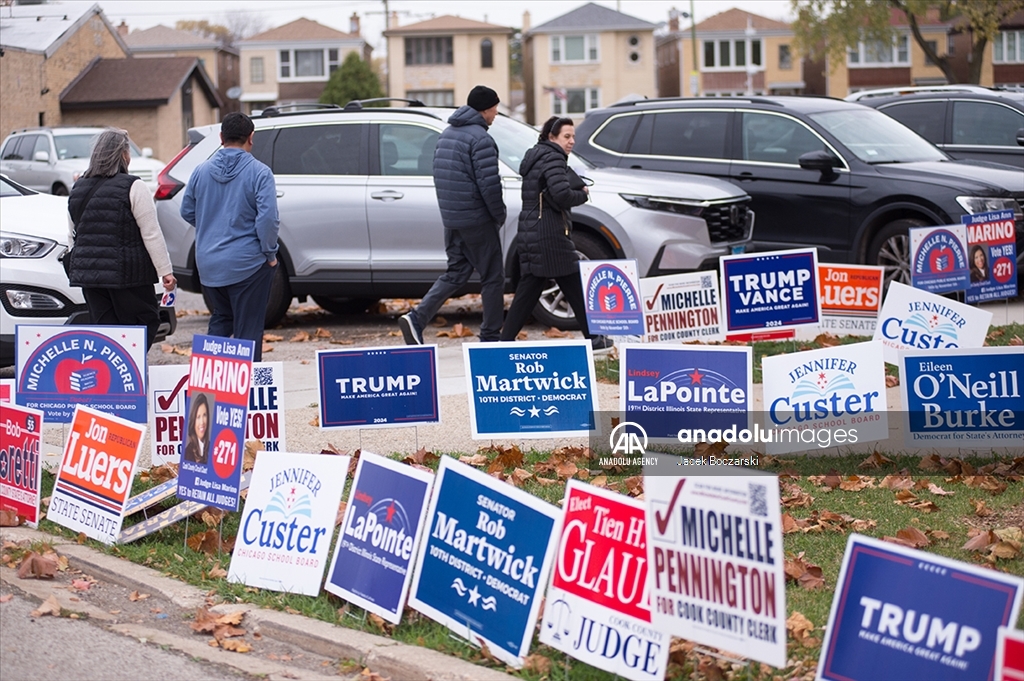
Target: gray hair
{"x": 107, "y": 157}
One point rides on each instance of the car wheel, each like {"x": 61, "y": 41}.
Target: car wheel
{"x": 345, "y": 306}
{"x": 552, "y": 308}
{"x": 280, "y": 298}
{"x": 59, "y": 190}
{"x": 890, "y": 248}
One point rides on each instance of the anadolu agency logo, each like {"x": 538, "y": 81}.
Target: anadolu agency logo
{"x": 609, "y": 291}
{"x": 627, "y": 439}
{"x": 385, "y": 526}
{"x": 285, "y": 523}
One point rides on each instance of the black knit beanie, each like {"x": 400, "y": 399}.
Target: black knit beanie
{"x": 482, "y": 98}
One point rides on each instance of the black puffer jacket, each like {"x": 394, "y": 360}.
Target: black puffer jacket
{"x": 109, "y": 251}
{"x": 545, "y": 247}
{"x": 466, "y": 175}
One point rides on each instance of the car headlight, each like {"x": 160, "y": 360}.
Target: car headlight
{"x": 981, "y": 204}
{"x": 665, "y": 204}
{"x": 19, "y": 246}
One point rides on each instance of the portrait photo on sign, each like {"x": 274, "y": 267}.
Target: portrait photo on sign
{"x": 197, "y": 434}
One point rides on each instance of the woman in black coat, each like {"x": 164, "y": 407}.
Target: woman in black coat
{"x": 546, "y": 249}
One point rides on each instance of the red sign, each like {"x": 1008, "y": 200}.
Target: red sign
{"x": 20, "y": 470}
{"x": 1010, "y": 655}
{"x": 850, "y": 290}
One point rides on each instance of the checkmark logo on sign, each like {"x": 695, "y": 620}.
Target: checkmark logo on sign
{"x": 662, "y": 520}
{"x": 165, "y": 402}
{"x": 650, "y": 303}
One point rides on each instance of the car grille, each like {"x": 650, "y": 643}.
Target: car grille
{"x": 728, "y": 221}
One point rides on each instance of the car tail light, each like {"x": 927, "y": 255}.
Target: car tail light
{"x": 167, "y": 186}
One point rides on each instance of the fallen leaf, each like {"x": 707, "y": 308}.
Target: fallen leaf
{"x": 235, "y": 646}
{"x": 322, "y": 333}
{"x": 789, "y": 524}
{"x": 136, "y": 596}
{"x": 508, "y": 457}
{"x": 600, "y": 481}
{"x": 989, "y": 483}
{"x": 1016, "y": 340}
{"x": 161, "y": 474}
{"x": 855, "y": 483}
{"x": 422, "y": 457}
{"x": 710, "y": 448}
{"x": 938, "y": 491}
{"x": 826, "y": 340}
{"x": 48, "y": 607}
{"x": 932, "y": 462}
{"x": 383, "y": 625}
{"x": 538, "y": 664}
{"x": 799, "y": 627}
{"x": 474, "y": 460}
{"x": 914, "y": 537}
{"x": 368, "y": 675}
{"x": 217, "y": 572}
{"x": 981, "y": 541}
{"x": 1005, "y": 550}
{"x": 806, "y": 574}
{"x": 896, "y": 482}
{"x": 892, "y": 381}
{"x": 315, "y": 421}
{"x": 634, "y": 485}
{"x": 457, "y": 331}
{"x": 35, "y": 566}
{"x": 875, "y": 460}
{"x": 6, "y": 597}
{"x": 521, "y": 336}
{"x": 340, "y": 515}
{"x": 272, "y": 338}
{"x": 981, "y": 509}
{"x": 938, "y": 534}
{"x": 519, "y": 476}
{"x": 81, "y": 584}
{"x": 905, "y": 497}
{"x": 552, "y": 332}
{"x": 9, "y": 518}
{"x": 299, "y": 337}
{"x": 81, "y": 538}
{"x": 439, "y": 321}
{"x": 249, "y": 452}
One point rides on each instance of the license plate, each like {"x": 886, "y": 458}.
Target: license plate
{"x": 736, "y": 250}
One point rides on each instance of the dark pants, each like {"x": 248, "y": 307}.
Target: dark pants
{"x": 239, "y": 310}
{"x": 468, "y": 250}
{"x": 528, "y": 293}
{"x": 135, "y": 306}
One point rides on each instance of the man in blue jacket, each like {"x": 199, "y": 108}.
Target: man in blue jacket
{"x": 468, "y": 189}
{"x": 232, "y": 201}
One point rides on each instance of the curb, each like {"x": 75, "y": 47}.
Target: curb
{"x": 385, "y": 656}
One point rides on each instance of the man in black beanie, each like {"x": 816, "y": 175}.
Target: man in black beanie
{"x": 468, "y": 189}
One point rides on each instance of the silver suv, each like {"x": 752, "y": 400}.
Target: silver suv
{"x": 49, "y": 160}
{"x": 360, "y": 221}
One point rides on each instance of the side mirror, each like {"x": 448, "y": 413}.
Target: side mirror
{"x": 819, "y": 160}
{"x": 147, "y": 152}
{"x": 42, "y": 156}
{"x": 1020, "y": 137}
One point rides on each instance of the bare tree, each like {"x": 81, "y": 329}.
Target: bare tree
{"x": 243, "y": 24}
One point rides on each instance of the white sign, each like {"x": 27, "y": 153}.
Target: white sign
{"x": 912, "y": 319}
{"x": 825, "y": 398}
{"x": 284, "y": 534}
{"x": 682, "y": 308}
{"x": 714, "y": 547}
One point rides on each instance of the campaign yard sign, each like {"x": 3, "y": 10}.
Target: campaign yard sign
{"x": 104, "y": 367}
{"x": 381, "y": 530}
{"x": 912, "y": 319}
{"x": 484, "y": 559}
{"x": 530, "y": 390}
{"x": 380, "y": 387}
{"x": 939, "y": 258}
{"x": 963, "y": 398}
{"x": 1010, "y": 655}
{"x": 851, "y": 296}
{"x": 774, "y": 290}
{"x": 825, "y": 398}
{"x": 21, "y": 475}
{"x": 991, "y": 256}
{"x": 714, "y": 545}
{"x": 7, "y": 390}
{"x": 220, "y": 374}
{"x": 95, "y": 474}
{"x": 284, "y": 534}
{"x": 265, "y": 419}
{"x": 669, "y": 389}
{"x": 682, "y": 308}
{"x": 900, "y": 613}
{"x": 598, "y": 607}
{"x": 611, "y": 290}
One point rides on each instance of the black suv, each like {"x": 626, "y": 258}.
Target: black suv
{"x": 965, "y": 121}
{"x": 821, "y": 172}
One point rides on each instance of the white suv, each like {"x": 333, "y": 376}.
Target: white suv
{"x": 49, "y": 160}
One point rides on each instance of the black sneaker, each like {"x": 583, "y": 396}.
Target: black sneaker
{"x": 601, "y": 344}
{"x": 409, "y": 331}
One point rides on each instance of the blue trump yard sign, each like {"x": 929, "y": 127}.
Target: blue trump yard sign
{"x": 774, "y": 290}
{"x": 899, "y": 613}
{"x": 484, "y": 560}
{"x": 378, "y": 387}
{"x": 530, "y": 390}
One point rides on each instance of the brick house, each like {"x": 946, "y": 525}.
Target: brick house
{"x": 292, "y": 63}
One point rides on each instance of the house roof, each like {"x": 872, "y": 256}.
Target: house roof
{"x": 44, "y": 28}
{"x": 300, "y": 30}
{"x": 163, "y": 37}
{"x": 448, "y": 24}
{"x": 135, "y": 83}
{"x": 593, "y": 17}
{"x": 736, "y": 20}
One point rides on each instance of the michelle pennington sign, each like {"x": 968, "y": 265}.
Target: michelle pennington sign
{"x": 484, "y": 560}
{"x": 714, "y": 550}
{"x": 680, "y": 308}
{"x": 775, "y": 290}
{"x": 963, "y": 398}
{"x": 379, "y": 536}
{"x": 284, "y": 534}
{"x": 598, "y": 607}
{"x": 900, "y": 613}
{"x": 21, "y": 475}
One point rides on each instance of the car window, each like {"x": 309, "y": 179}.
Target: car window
{"x": 318, "y": 150}
{"x": 407, "y": 149}
{"x": 8, "y": 189}
{"x": 73, "y": 146}
{"x": 698, "y": 134}
{"x": 616, "y": 133}
{"x": 641, "y": 143}
{"x": 927, "y": 119}
{"x": 985, "y": 124}
{"x": 514, "y": 139}
{"x": 873, "y": 137}
{"x": 262, "y": 147}
{"x": 10, "y": 152}
{"x": 777, "y": 139}
{"x": 42, "y": 144}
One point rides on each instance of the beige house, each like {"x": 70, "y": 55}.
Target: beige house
{"x": 292, "y": 63}
{"x": 591, "y": 57}
{"x": 440, "y": 60}
{"x": 45, "y": 47}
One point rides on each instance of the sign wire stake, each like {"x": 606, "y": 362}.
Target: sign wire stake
{"x": 184, "y": 542}
{"x": 566, "y": 666}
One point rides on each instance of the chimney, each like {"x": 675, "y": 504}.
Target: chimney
{"x": 526, "y": 22}
{"x": 394, "y": 20}
{"x": 673, "y": 20}
{"x": 122, "y": 29}
{"x": 353, "y": 24}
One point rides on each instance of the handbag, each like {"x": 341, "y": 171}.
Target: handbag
{"x": 65, "y": 258}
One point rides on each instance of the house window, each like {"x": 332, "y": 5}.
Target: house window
{"x": 724, "y": 56}
{"x": 567, "y": 49}
{"x": 785, "y": 58}
{"x": 880, "y": 53}
{"x": 486, "y": 54}
{"x": 1008, "y": 47}
{"x": 934, "y": 45}
{"x": 433, "y": 97}
{"x": 309, "y": 63}
{"x": 256, "y": 69}
{"x": 709, "y": 54}
{"x": 286, "y": 64}
{"x": 732, "y": 55}
{"x": 420, "y": 51}
{"x": 574, "y": 100}
{"x": 332, "y": 61}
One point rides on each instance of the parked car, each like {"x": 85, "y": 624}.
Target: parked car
{"x": 821, "y": 172}
{"x": 965, "y": 121}
{"x": 49, "y": 160}
{"x": 360, "y": 221}
{"x": 33, "y": 286}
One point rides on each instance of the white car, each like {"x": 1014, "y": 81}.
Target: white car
{"x": 33, "y": 286}
{"x": 50, "y": 160}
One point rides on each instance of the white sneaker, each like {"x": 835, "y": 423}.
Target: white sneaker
{"x": 409, "y": 331}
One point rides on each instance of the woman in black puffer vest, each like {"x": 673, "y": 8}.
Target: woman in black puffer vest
{"x": 117, "y": 249}
{"x": 546, "y": 249}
